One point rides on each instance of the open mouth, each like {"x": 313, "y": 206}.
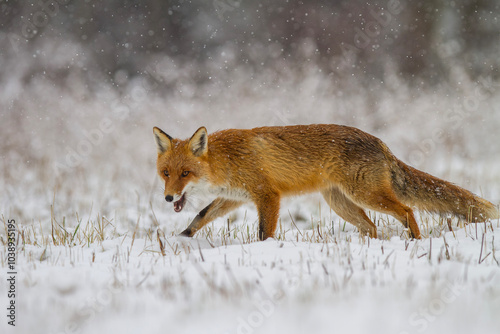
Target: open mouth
{"x": 179, "y": 205}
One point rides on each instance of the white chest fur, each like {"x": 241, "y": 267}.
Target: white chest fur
{"x": 233, "y": 193}
{"x": 203, "y": 188}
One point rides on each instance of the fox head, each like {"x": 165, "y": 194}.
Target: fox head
{"x": 182, "y": 164}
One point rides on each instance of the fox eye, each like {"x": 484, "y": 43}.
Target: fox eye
{"x": 165, "y": 172}
{"x": 185, "y": 173}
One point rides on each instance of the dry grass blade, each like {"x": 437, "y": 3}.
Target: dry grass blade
{"x": 160, "y": 235}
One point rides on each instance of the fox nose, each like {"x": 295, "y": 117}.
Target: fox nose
{"x": 169, "y": 198}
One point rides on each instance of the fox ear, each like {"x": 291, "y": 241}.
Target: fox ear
{"x": 198, "y": 144}
{"x": 163, "y": 141}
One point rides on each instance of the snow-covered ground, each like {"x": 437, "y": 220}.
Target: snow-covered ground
{"x": 97, "y": 250}
{"x": 82, "y": 83}
{"x": 315, "y": 279}
{"x": 116, "y": 266}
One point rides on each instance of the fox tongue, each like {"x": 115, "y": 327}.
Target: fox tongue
{"x": 179, "y": 205}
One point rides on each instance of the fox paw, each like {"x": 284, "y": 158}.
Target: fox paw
{"x": 186, "y": 233}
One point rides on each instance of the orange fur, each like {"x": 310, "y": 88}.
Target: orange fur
{"x": 352, "y": 169}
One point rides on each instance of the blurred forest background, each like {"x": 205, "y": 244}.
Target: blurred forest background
{"x": 113, "y": 40}
{"x": 83, "y": 82}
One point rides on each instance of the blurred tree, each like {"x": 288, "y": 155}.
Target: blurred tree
{"x": 346, "y": 37}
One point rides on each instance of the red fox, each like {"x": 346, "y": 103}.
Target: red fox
{"x": 352, "y": 169}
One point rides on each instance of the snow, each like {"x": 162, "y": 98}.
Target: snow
{"x": 104, "y": 270}
{"x": 97, "y": 247}
{"x": 90, "y": 207}
{"x": 222, "y": 284}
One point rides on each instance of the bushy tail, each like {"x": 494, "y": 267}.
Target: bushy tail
{"x": 429, "y": 193}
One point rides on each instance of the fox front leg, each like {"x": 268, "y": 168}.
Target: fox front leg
{"x": 218, "y": 208}
{"x": 268, "y": 206}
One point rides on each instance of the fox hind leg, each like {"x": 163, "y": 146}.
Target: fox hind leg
{"x": 349, "y": 211}
{"x": 385, "y": 201}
